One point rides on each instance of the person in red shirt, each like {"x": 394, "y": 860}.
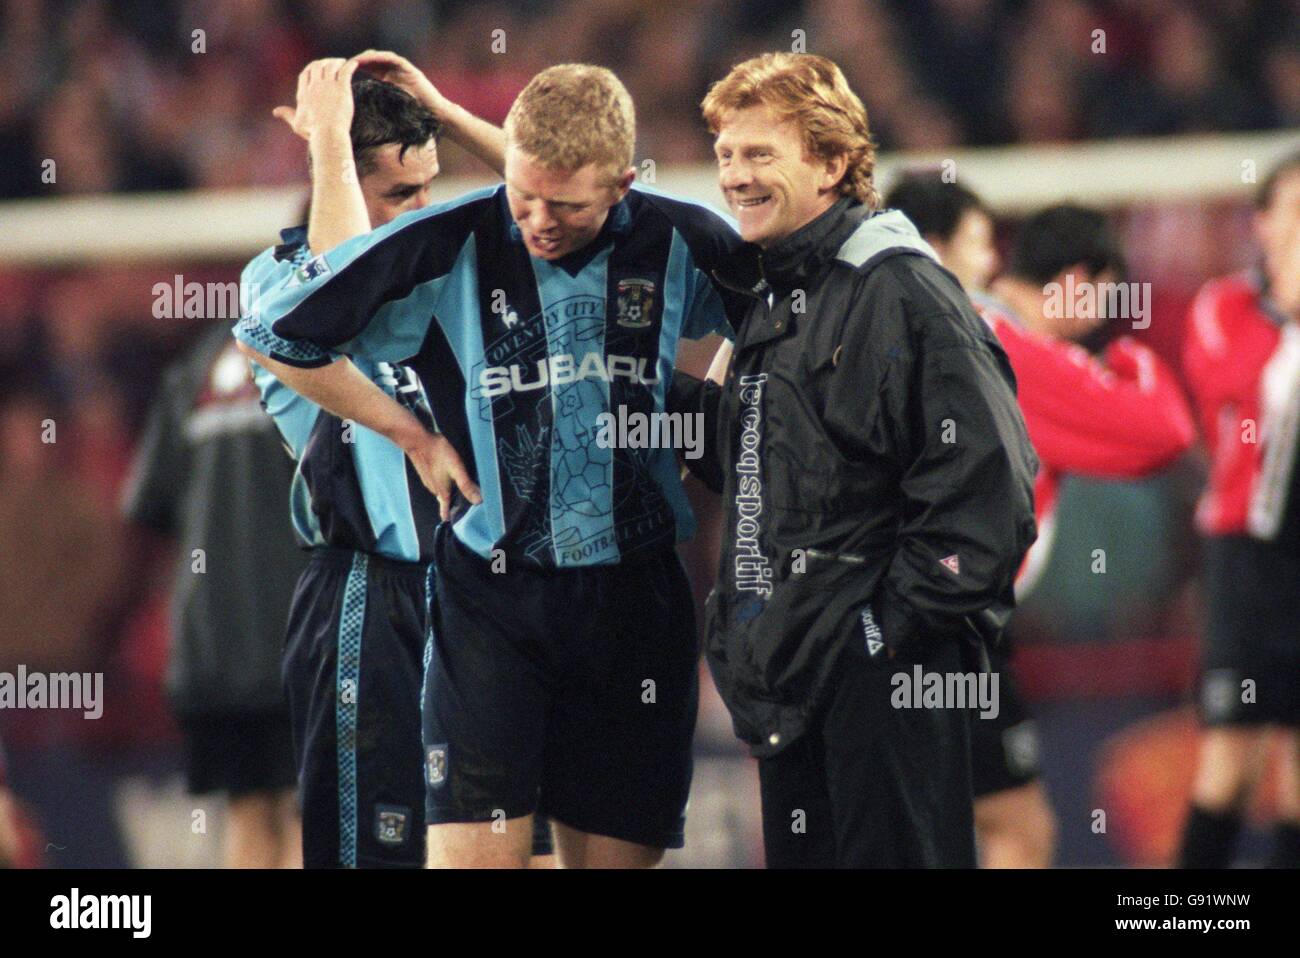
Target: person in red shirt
{"x": 1118, "y": 417}
{"x": 1242, "y": 360}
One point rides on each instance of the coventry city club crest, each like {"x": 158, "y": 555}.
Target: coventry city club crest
{"x": 437, "y": 765}
{"x": 635, "y": 299}
{"x": 390, "y": 824}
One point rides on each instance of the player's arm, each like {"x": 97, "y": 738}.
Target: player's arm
{"x": 294, "y": 415}
{"x": 688, "y": 395}
{"x": 380, "y": 308}
{"x": 339, "y": 387}
{"x": 377, "y": 294}
{"x": 1125, "y": 419}
{"x": 475, "y": 135}
{"x": 332, "y": 382}
{"x": 323, "y": 117}
{"x": 342, "y": 389}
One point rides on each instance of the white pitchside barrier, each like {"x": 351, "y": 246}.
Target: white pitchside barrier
{"x": 231, "y": 225}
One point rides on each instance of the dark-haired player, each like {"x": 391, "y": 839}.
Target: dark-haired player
{"x": 1120, "y": 417}
{"x": 359, "y": 624}
{"x": 1242, "y": 357}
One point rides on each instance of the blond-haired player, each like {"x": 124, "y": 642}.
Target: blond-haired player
{"x": 563, "y": 670}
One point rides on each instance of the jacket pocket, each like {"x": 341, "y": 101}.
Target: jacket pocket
{"x": 825, "y": 567}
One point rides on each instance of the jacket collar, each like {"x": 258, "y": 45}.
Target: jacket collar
{"x": 801, "y": 255}
{"x": 294, "y": 235}
{"x": 848, "y": 231}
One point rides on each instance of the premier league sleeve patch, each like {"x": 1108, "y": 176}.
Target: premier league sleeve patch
{"x": 312, "y": 269}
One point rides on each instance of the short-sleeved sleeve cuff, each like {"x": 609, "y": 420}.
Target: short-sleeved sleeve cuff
{"x": 293, "y": 352}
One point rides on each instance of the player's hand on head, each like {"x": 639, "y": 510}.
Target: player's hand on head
{"x": 403, "y": 74}
{"x": 441, "y": 470}
{"x": 324, "y": 99}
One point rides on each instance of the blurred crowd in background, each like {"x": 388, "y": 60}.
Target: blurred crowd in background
{"x": 117, "y": 94}
{"x": 120, "y": 94}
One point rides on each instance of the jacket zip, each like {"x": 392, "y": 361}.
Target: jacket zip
{"x": 754, "y": 292}
{"x": 837, "y": 556}
{"x": 773, "y": 736}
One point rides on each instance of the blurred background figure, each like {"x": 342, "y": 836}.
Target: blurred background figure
{"x": 1117, "y": 416}
{"x": 51, "y": 531}
{"x": 211, "y": 474}
{"x": 63, "y": 592}
{"x": 953, "y": 220}
{"x": 1243, "y": 361}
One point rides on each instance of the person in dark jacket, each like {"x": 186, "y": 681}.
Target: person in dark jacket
{"x": 877, "y": 481}
{"x": 211, "y": 475}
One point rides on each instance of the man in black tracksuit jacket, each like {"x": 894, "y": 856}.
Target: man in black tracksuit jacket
{"x": 877, "y": 485}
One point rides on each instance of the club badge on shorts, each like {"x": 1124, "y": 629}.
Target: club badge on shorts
{"x": 636, "y": 297}
{"x": 390, "y": 824}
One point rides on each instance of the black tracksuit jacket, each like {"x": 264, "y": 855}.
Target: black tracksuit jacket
{"x": 876, "y": 476}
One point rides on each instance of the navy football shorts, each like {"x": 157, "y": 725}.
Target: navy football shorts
{"x": 1250, "y": 666}
{"x": 572, "y": 692}
{"x": 240, "y": 753}
{"x": 352, "y": 670}
{"x": 1004, "y": 748}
